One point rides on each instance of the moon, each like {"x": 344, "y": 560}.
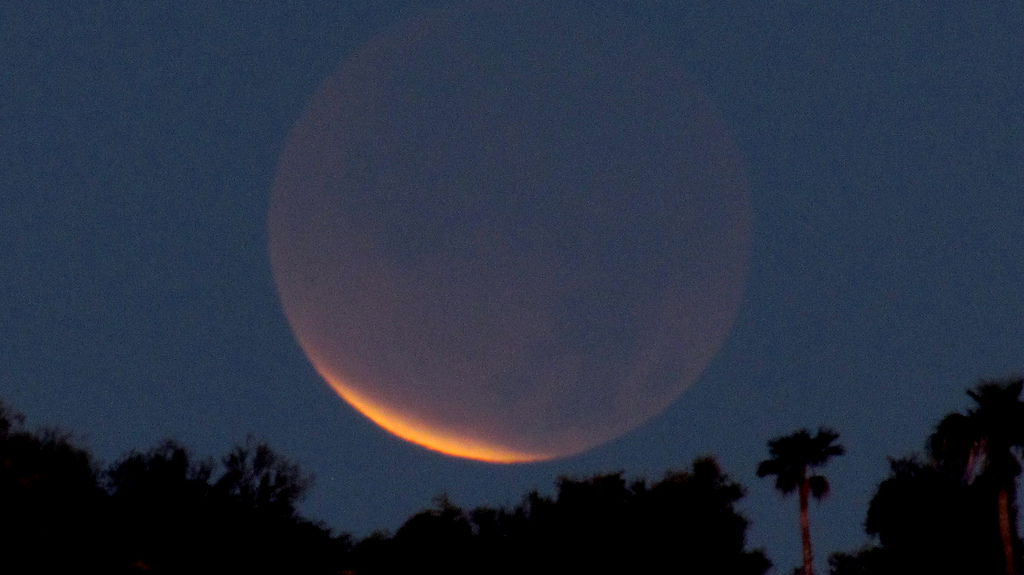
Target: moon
{"x": 510, "y": 232}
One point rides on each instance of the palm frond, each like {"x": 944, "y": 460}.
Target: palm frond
{"x": 793, "y": 454}
{"x": 819, "y": 486}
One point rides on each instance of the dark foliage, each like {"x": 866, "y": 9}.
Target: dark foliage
{"x": 49, "y": 499}
{"x": 792, "y": 456}
{"x": 870, "y": 560}
{"x": 940, "y": 514}
{"x": 160, "y": 511}
{"x": 927, "y": 520}
{"x": 164, "y": 511}
{"x": 684, "y": 523}
{"x": 171, "y": 515}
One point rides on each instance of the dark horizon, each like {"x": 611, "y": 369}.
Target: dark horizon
{"x": 169, "y": 510}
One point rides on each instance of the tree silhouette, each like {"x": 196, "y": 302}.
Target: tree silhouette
{"x": 257, "y": 478}
{"x": 926, "y": 519}
{"x": 49, "y": 499}
{"x": 166, "y": 511}
{"x": 438, "y": 540}
{"x": 173, "y": 515}
{"x": 598, "y": 525}
{"x": 160, "y": 505}
{"x": 985, "y": 443}
{"x": 792, "y": 456}
{"x": 714, "y": 535}
{"x": 938, "y": 514}
{"x": 161, "y": 510}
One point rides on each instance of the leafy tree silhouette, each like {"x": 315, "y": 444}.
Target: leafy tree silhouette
{"x": 952, "y": 511}
{"x": 792, "y": 456}
{"x": 587, "y": 526}
{"x": 49, "y": 499}
{"x": 166, "y": 511}
{"x": 256, "y": 497}
{"x": 172, "y": 516}
{"x": 926, "y": 519}
{"x": 603, "y": 524}
{"x": 161, "y": 511}
{"x": 258, "y": 478}
{"x": 985, "y": 443}
{"x": 712, "y": 537}
{"x": 438, "y": 540}
{"x": 870, "y": 560}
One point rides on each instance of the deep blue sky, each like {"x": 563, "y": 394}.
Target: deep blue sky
{"x": 884, "y": 146}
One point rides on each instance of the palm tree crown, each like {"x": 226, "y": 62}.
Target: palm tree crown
{"x": 985, "y": 438}
{"x": 792, "y": 455}
{"x": 985, "y": 444}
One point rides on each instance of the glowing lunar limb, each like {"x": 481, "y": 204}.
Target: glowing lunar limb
{"x": 409, "y": 427}
{"x": 509, "y": 233}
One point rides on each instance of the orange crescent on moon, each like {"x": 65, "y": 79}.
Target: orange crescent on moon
{"x": 408, "y": 427}
{"x": 510, "y": 236}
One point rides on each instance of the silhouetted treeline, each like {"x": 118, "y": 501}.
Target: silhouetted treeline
{"x": 164, "y": 511}
{"x": 685, "y": 523}
{"x": 50, "y": 499}
{"x": 174, "y": 514}
{"x": 160, "y": 511}
{"x": 954, "y": 509}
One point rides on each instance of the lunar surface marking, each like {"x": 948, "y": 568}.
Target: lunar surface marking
{"x": 510, "y": 232}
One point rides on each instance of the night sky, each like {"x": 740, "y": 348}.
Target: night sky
{"x": 883, "y": 144}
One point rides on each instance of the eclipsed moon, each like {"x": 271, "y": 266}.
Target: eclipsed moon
{"x": 510, "y": 232}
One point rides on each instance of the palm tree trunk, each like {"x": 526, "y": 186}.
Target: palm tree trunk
{"x": 1004, "y": 529}
{"x": 805, "y": 528}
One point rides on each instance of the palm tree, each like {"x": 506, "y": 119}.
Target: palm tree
{"x": 985, "y": 444}
{"x": 791, "y": 458}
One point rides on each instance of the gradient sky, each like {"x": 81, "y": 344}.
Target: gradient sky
{"x": 884, "y": 144}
